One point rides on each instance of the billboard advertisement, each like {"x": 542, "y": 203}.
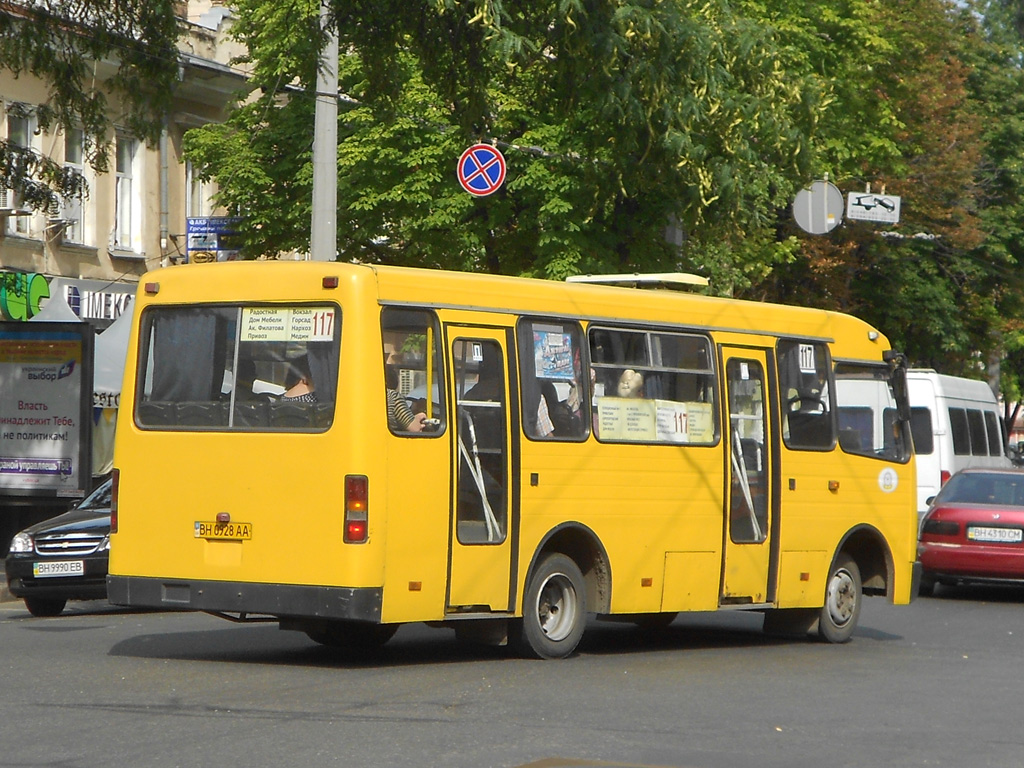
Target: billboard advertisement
{"x": 45, "y": 408}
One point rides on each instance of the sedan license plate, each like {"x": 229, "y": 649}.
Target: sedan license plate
{"x": 58, "y": 568}
{"x": 223, "y": 531}
{"x": 1002, "y": 535}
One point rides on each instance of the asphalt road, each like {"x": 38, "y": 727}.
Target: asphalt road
{"x": 938, "y": 683}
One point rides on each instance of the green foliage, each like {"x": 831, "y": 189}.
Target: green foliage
{"x": 906, "y": 113}
{"x": 615, "y": 118}
{"x": 619, "y": 116}
{"x": 58, "y": 41}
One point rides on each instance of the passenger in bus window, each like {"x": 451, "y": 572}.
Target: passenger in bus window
{"x": 400, "y": 416}
{"x": 489, "y": 422}
{"x": 298, "y": 383}
{"x": 545, "y": 427}
{"x": 631, "y": 384}
{"x": 245, "y": 379}
{"x": 490, "y": 384}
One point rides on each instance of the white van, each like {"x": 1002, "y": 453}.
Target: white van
{"x": 956, "y": 424}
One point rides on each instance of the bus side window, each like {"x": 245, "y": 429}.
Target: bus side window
{"x": 804, "y": 389}
{"x": 653, "y": 386}
{"x": 869, "y": 423}
{"x": 921, "y": 427}
{"x": 411, "y": 372}
{"x": 554, "y": 394}
{"x": 961, "y": 432}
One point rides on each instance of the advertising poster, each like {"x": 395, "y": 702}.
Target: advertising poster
{"x": 45, "y": 399}
{"x": 552, "y": 352}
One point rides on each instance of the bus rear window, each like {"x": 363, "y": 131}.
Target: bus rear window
{"x": 245, "y": 368}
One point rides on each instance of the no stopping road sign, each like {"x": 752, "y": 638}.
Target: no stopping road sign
{"x": 481, "y": 170}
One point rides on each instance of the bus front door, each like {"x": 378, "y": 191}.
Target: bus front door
{"x": 479, "y": 568}
{"x": 748, "y": 518}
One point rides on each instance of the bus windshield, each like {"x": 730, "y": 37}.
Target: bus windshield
{"x": 868, "y": 414}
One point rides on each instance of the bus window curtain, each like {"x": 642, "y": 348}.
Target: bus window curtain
{"x": 187, "y": 334}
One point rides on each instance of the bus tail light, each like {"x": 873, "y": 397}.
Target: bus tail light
{"x": 115, "y": 477}
{"x": 356, "y": 508}
{"x": 943, "y": 477}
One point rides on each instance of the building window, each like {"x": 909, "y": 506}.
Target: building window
{"x": 198, "y": 203}
{"x": 71, "y": 209}
{"x": 21, "y": 126}
{"x": 128, "y": 214}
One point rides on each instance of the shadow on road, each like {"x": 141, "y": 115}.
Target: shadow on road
{"x": 418, "y": 644}
{"x": 986, "y": 593}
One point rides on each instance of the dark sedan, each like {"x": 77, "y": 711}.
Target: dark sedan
{"x": 974, "y": 530}
{"x": 64, "y": 558}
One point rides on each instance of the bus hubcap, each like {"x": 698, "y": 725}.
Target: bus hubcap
{"x": 556, "y": 607}
{"x": 842, "y": 597}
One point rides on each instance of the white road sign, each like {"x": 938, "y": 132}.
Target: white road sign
{"x": 819, "y": 208}
{"x": 868, "y": 206}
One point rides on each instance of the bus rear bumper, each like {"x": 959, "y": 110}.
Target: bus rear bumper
{"x": 291, "y": 600}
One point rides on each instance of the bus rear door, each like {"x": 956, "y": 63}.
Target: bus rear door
{"x": 749, "y": 519}
{"x": 480, "y": 562}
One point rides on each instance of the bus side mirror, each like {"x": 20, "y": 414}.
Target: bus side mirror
{"x": 898, "y": 364}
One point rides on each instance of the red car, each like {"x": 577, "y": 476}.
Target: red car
{"x": 974, "y": 530}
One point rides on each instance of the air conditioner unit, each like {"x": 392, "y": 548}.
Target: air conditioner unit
{"x": 60, "y": 216}
{"x": 9, "y": 203}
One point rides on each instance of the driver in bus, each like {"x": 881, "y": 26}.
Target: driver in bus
{"x": 400, "y": 416}
{"x": 298, "y": 383}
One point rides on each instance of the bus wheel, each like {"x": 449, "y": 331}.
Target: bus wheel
{"x": 352, "y": 635}
{"x": 40, "y": 606}
{"x": 843, "y": 597}
{"x": 554, "y": 608}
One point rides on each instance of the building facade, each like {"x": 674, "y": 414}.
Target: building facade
{"x": 92, "y": 252}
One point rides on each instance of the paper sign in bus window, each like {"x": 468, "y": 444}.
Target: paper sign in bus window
{"x": 279, "y": 324}
{"x": 807, "y": 364}
{"x": 552, "y": 352}
{"x": 621, "y": 418}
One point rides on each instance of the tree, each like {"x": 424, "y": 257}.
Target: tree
{"x": 60, "y": 41}
{"x": 616, "y": 119}
{"x": 901, "y": 116}
{"x": 998, "y": 82}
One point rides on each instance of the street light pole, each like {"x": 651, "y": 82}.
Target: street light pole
{"x": 323, "y": 245}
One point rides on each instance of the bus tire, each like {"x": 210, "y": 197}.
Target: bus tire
{"x": 554, "y": 608}
{"x": 843, "y": 597}
{"x": 355, "y": 636}
{"x": 43, "y": 606}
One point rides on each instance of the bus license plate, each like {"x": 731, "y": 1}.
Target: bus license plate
{"x": 59, "y": 568}
{"x": 223, "y": 531}
{"x": 982, "y": 533}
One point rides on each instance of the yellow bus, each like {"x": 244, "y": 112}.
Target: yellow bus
{"x": 346, "y": 448}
